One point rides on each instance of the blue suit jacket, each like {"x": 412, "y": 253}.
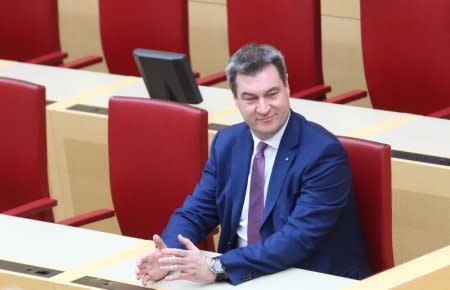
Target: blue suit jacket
{"x": 310, "y": 218}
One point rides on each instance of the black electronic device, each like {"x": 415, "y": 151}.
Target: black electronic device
{"x": 167, "y": 75}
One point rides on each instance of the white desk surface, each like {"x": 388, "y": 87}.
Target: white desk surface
{"x": 289, "y": 279}
{"x": 56, "y": 246}
{"x": 339, "y": 119}
{"x": 60, "y": 83}
{"x": 405, "y": 132}
{"x": 215, "y": 99}
{"x": 423, "y": 135}
{"x": 67, "y": 248}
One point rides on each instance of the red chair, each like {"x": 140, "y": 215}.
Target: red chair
{"x": 152, "y": 24}
{"x": 370, "y": 164}
{"x": 157, "y": 150}
{"x": 29, "y": 32}
{"x": 292, "y": 26}
{"x": 406, "y": 52}
{"x": 24, "y": 189}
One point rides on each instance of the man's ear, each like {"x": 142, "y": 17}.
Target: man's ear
{"x": 287, "y": 85}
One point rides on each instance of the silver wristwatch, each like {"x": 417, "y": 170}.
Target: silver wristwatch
{"x": 216, "y": 266}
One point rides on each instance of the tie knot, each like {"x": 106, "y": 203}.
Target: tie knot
{"x": 260, "y": 148}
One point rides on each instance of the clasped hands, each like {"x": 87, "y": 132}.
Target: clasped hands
{"x": 174, "y": 264}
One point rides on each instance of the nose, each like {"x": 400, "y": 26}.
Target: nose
{"x": 262, "y": 106}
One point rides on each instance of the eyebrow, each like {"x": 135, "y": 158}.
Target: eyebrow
{"x": 249, "y": 94}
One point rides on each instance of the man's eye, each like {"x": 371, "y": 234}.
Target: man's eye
{"x": 272, "y": 94}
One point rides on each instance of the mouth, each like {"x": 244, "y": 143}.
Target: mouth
{"x": 265, "y": 118}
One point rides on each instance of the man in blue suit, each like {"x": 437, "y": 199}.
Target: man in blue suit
{"x": 309, "y": 218}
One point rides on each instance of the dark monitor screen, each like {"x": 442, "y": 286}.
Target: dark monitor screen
{"x": 167, "y": 75}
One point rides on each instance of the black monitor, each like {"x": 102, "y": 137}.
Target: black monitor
{"x": 167, "y": 75}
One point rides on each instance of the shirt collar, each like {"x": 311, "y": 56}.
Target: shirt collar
{"x": 273, "y": 141}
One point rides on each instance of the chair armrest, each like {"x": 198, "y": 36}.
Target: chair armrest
{"x": 87, "y": 218}
{"x": 53, "y": 58}
{"x": 314, "y": 93}
{"x": 212, "y": 79}
{"x": 82, "y": 62}
{"x": 444, "y": 113}
{"x": 32, "y": 208}
{"x": 347, "y": 97}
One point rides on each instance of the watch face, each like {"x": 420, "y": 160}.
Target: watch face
{"x": 216, "y": 266}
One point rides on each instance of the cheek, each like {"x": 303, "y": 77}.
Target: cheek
{"x": 248, "y": 115}
{"x": 246, "y": 109}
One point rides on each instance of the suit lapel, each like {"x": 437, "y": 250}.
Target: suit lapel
{"x": 285, "y": 156}
{"x": 240, "y": 160}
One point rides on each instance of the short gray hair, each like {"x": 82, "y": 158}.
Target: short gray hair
{"x": 251, "y": 59}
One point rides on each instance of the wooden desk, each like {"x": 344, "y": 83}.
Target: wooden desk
{"x": 51, "y": 248}
{"x": 78, "y": 252}
{"x": 75, "y": 253}
{"x": 78, "y": 160}
{"x": 431, "y": 271}
{"x": 302, "y": 279}
{"x": 61, "y": 84}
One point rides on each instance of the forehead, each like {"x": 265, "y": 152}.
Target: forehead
{"x": 261, "y": 81}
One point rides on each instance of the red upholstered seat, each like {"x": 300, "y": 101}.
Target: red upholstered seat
{"x": 292, "y": 26}
{"x": 151, "y": 24}
{"x": 371, "y": 173}
{"x": 24, "y": 189}
{"x": 406, "y": 51}
{"x": 23, "y": 169}
{"x": 157, "y": 150}
{"x": 29, "y": 32}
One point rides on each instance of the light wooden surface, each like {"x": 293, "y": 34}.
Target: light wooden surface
{"x": 302, "y": 279}
{"x": 58, "y": 247}
{"x": 79, "y": 252}
{"x": 431, "y": 271}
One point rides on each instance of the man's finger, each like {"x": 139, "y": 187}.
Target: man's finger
{"x": 159, "y": 243}
{"x": 170, "y": 252}
{"x": 187, "y": 243}
{"x": 169, "y": 260}
{"x": 145, "y": 280}
{"x": 138, "y": 272}
{"x": 177, "y": 276}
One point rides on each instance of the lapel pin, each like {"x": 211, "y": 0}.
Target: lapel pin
{"x": 287, "y": 158}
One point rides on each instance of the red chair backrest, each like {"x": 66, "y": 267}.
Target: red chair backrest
{"x": 292, "y": 26}
{"x": 157, "y": 150}
{"x": 370, "y": 164}
{"x": 23, "y": 155}
{"x": 406, "y": 51}
{"x": 152, "y": 24}
{"x": 28, "y": 29}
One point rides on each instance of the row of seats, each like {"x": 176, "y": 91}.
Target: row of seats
{"x": 405, "y": 44}
{"x": 147, "y": 182}
{"x": 29, "y": 32}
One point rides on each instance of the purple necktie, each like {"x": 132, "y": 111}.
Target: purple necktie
{"x": 256, "y": 204}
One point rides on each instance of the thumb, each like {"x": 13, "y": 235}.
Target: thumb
{"x": 159, "y": 243}
{"x": 187, "y": 243}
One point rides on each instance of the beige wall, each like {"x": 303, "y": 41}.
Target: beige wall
{"x": 343, "y": 68}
